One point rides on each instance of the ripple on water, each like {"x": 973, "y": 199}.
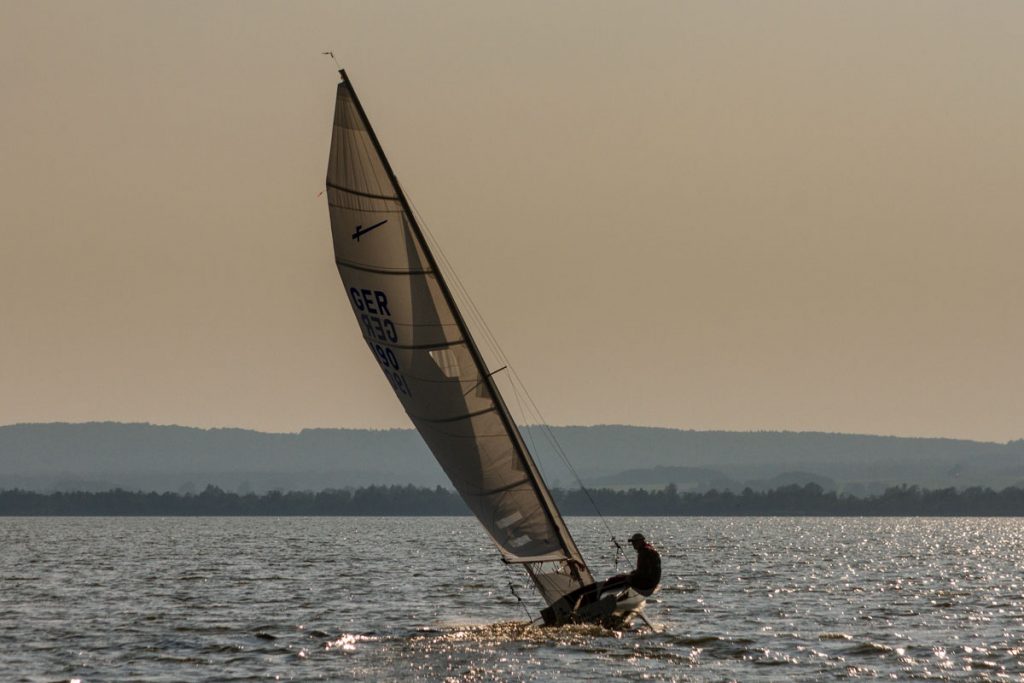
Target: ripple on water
{"x": 744, "y": 598}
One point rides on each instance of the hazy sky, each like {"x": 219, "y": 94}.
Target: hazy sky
{"x": 714, "y": 215}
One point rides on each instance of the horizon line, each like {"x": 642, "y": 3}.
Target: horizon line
{"x": 521, "y": 426}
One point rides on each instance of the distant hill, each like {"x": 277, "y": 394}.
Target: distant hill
{"x": 685, "y": 479}
{"x": 99, "y": 456}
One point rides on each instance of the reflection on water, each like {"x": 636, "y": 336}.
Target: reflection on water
{"x": 428, "y": 599}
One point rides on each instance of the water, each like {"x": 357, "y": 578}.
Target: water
{"x": 368, "y": 599}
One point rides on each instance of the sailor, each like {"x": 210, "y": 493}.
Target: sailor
{"x": 647, "y": 575}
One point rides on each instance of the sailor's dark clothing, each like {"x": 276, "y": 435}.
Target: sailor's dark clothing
{"x": 647, "y": 574}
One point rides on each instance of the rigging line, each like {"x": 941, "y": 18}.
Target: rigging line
{"x": 532, "y": 416}
{"x": 579, "y": 482}
{"x": 483, "y": 379}
{"x": 473, "y": 312}
{"x": 529, "y": 432}
{"x": 557, "y": 446}
{"x": 560, "y": 451}
{"x": 453, "y": 277}
{"x": 489, "y": 336}
{"x": 565, "y": 537}
{"x": 546, "y": 430}
{"x": 508, "y": 571}
{"x": 496, "y": 347}
{"x": 512, "y": 587}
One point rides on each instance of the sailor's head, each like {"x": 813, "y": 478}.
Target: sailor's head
{"x": 637, "y": 540}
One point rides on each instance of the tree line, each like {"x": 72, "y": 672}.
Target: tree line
{"x": 793, "y": 500}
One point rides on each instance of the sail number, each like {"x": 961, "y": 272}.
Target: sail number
{"x": 373, "y": 312}
{"x": 389, "y": 364}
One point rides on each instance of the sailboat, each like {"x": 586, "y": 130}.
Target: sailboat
{"x": 416, "y": 333}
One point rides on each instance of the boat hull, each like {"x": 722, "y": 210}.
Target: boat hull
{"x": 607, "y": 605}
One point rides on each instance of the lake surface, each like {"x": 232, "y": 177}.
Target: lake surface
{"x": 368, "y": 599}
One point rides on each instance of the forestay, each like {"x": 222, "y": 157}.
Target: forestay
{"x": 414, "y": 330}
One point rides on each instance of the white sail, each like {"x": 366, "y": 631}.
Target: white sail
{"x": 418, "y": 337}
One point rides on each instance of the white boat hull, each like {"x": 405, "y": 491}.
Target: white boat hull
{"x": 614, "y": 605}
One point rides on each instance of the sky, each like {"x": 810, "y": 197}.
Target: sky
{"x": 702, "y": 215}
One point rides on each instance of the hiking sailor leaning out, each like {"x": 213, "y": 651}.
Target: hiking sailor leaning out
{"x": 647, "y": 575}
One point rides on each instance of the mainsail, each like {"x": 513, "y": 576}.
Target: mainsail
{"x": 415, "y": 332}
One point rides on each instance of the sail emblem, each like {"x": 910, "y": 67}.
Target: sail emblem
{"x": 360, "y": 231}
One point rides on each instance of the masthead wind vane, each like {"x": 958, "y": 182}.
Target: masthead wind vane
{"x": 331, "y": 55}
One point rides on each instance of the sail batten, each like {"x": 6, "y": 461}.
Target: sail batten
{"x": 427, "y": 347}
{"x": 455, "y": 418}
{"x": 502, "y": 489}
{"x": 382, "y": 271}
{"x": 368, "y": 195}
{"x": 412, "y": 325}
{"x": 537, "y": 559}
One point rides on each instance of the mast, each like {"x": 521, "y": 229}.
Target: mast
{"x": 577, "y": 566}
